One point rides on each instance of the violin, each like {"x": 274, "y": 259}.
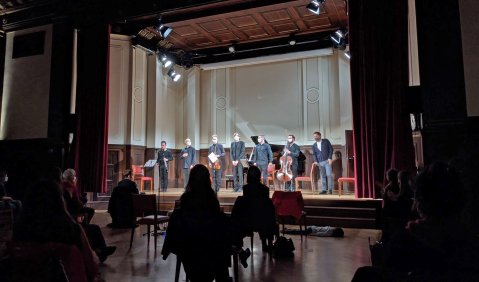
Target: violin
{"x": 217, "y": 165}
{"x": 284, "y": 173}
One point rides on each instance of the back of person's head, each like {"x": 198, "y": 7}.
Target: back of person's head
{"x": 127, "y": 173}
{"x": 199, "y": 195}
{"x": 69, "y": 175}
{"x": 253, "y": 175}
{"x": 439, "y": 191}
{"x": 54, "y": 173}
{"x": 392, "y": 175}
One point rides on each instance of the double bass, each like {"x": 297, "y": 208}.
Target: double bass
{"x": 285, "y": 174}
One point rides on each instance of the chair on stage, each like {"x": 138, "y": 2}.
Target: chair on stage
{"x": 139, "y": 174}
{"x": 145, "y": 207}
{"x": 290, "y": 209}
{"x": 271, "y": 172}
{"x": 313, "y": 174}
{"x": 341, "y": 180}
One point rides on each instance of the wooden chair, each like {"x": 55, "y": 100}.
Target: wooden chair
{"x": 309, "y": 178}
{"x": 340, "y": 183}
{"x": 139, "y": 174}
{"x": 145, "y": 207}
{"x": 290, "y": 209}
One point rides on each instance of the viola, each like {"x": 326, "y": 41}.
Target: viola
{"x": 217, "y": 165}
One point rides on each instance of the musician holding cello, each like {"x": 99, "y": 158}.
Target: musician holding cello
{"x": 216, "y": 167}
{"x": 289, "y": 163}
{"x": 262, "y": 157}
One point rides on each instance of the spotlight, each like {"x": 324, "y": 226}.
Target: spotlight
{"x": 174, "y": 75}
{"x": 163, "y": 30}
{"x": 232, "y": 49}
{"x": 315, "y": 6}
{"x": 347, "y": 54}
{"x": 339, "y": 39}
{"x": 165, "y": 61}
{"x": 292, "y": 40}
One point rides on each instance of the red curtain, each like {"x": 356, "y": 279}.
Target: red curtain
{"x": 91, "y": 140}
{"x": 378, "y": 38}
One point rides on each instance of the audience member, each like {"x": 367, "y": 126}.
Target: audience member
{"x": 198, "y": 232}
{"x": 44, "y": 220}
{"x": 5, "y": 199}
{"x": 78, "y": 212}
{"x": 396, "y": 208}
{"x": 75, "y": 205}
{"x": 254, "y": 212}
{"x": 120, "y": 205}
{"x": 437, "y": 246}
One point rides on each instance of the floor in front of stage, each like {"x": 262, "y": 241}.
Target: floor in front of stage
{"x": 315, "y": 258}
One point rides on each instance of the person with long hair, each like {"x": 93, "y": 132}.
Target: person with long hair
{"x": 198, "y": 232}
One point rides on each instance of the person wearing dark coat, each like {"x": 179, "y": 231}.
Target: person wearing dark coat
{"x": 198, "y": 232}
{"x": 292, "y": 150}
{"x": 254, "y": 212}
{"x": 164, "y": 157}
{"x": 237, "y": 152}
{"x": 120, "y": 205}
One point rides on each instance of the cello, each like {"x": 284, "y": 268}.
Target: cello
{"x": 284, "y": 173}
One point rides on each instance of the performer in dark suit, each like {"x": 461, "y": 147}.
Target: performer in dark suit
{"x": 188, "y": 156}
{"x": 237, "y": 152}
{"x": 292, "y": 149}
{"x": 262, "y": 157}
{"x": 217, "y": 167}
{"x": 164, "y": 156}
{"x": 323, "y": 157}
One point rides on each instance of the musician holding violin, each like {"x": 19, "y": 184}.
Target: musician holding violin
{"x": 262, "y": 157}
{"x": 289, "y": 164}
{"x": 216, "y": 167}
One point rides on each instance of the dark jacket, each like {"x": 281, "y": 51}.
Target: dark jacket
{"x": 190, "y": 159}
{"x": 164, "y": 154}
{"x": 237, "y": 151}
{"x": 326, "y": 152}
{"x": 218, "y": 149}
{"x": 262, "y": 154}
{"x": 294, "y": 149}
{"x": 120, "y": 205}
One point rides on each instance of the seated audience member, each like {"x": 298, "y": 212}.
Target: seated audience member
{"x": 254, "y": 211}
{"x": 396, "y": 208}
{"x": 5, "y": 199}
{"x": 437, "y": 246}
{"x": 71, "y": 194}
{"x": 120, "y": 205}
{"x": 198, "y": 232}
{"x": 43, "y": 221}
{"x": 78, "y": 211}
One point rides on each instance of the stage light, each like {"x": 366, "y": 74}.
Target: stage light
{"x": 347, "y": 54}
{"x": 165, "y": 61}
{"x": 339, "y": 39}
{"x": 173, "y": 74}
{"x": 163, "y": 30}
{"x": 315, "y": 6}
{"x": 232, "y": 49}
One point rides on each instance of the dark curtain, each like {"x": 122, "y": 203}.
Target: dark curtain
{"x": 91, "y": 140}
{"x": 378, "y": 38}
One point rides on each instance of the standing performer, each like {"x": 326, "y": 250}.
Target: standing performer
{"x": 323, "y": 157}
{"x": 292, "y": 149}
{"x": 188, "y": 156}
{"x": 216, "y": 167}
{"x": 236, "y": 154}
{"x": 262, "y": 157}
{"x": 164, "y": 156}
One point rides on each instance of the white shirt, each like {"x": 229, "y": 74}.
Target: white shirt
{"x": 319, "y": 145}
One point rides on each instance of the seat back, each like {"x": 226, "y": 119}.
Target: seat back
{"x": 137, "y": 171}
{"x": 144, "y": 205}
{"x": 288, "y": 203}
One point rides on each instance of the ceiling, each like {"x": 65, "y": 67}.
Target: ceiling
{"x": 202, "y": 29}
